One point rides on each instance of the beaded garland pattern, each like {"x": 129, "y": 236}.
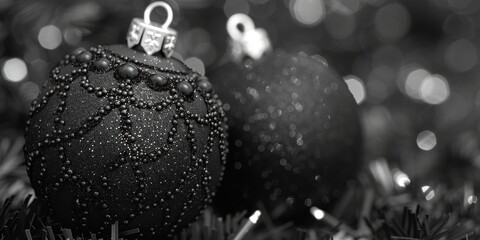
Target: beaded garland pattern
{"x": 150, "y": 155}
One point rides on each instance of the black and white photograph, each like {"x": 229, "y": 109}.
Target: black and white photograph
{"x": 239, "y": 120}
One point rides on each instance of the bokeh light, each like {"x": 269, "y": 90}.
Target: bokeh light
{"x": 392, "y": 21}
{"x": 463, "y": 6}
{"x": 196, "y": 64}
{"x": 356, "y": 87}
{"x": 39, "y": 65}
{"x": 307, "y": 12}
{"x": 255, "y": 216}
{"x": 413, "y": 80}
{"x": 29, "y": 90}
{"x": 340, "y": 26}
{"x": 388, "y": 55}
{"x": 199, "y": 44}
{"x": 429, "y": 192}
{"x": 72, "y": 36}
{"x": 456, "y": 108}
{"x": 380, "y": 84}
{"x": 317, "y": 213}
{"x": 375, "y": 3}
{"x": 434, "y": 89}
{"x": 382, "y": 174}
{"x": 347, "y": 7}
{"x": 236, "y": 6}
{"x": 461, "y": 55}
{"x": 401, "y": 179}
{"x": 49, "y": 37}
{"x": 14, "y": 70}
{"x": 426, "y": 140}
{"x": 458, "y": 25}
{"x": 472, "y": 199}
{"x": 376, "y": 91}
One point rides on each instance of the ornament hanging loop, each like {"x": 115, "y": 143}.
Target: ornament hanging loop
{"x": 149, "y": 9}
{"x": 150, "y": 36}
{"x": 248, "y": 41}
{"x": 236, "y": 21}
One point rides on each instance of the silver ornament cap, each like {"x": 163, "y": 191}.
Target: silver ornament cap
{"x": 246, "y": 40}
{"x": 153, "y": 37}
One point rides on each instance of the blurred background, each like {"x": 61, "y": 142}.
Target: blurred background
{"x": 412, "y": 66}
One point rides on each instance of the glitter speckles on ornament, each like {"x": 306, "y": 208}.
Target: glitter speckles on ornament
{"x": 117, "y": 135}
{"x": 294, "y": 134}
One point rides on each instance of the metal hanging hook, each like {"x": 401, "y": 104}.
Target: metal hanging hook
{"x": 237, "y": 20}
{"x": 246, "y": 42}
{"x": 164, "y": 5}
{"x": 153, "y": 37}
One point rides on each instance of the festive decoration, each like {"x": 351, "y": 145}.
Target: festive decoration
{"x": 212, "y": 227}
{"x": 294, "y": 131}
{"x": 119, "y": 135}
{"x": 14, "y": 221}
{"x": 375, "y": 221}
{"x": 411, "y": 65}
{"x": 418, "y": 225}
{"x": 13, "y": 177}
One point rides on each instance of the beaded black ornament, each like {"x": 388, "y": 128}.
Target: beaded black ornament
{"x": 119, "y": 135}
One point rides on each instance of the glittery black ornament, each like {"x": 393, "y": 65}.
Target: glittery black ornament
{"x": 105, "y": 143}
{"x": 294, "y": 135}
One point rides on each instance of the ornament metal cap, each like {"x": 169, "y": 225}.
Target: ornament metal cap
{"x": 151, "y": 36}
{"x": 246, "y": 40}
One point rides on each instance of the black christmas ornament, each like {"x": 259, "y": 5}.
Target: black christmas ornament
{"x": 120, "y": 135}
{"x": 294, "y": 132}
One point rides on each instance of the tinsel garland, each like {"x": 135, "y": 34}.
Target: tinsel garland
{"x": 28, "y": 220}
{"x": 377, "y": 206}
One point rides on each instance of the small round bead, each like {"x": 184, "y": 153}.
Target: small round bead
{"x": 102, "y": 64}
{"x": 185, "y": 88}
{"x": 159, "y": 80}
{"x": 204, "y": 84}
{"x": 84, "y": 56}
{"x": 78, "y": 51}
{"x": 128, "y": 70}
